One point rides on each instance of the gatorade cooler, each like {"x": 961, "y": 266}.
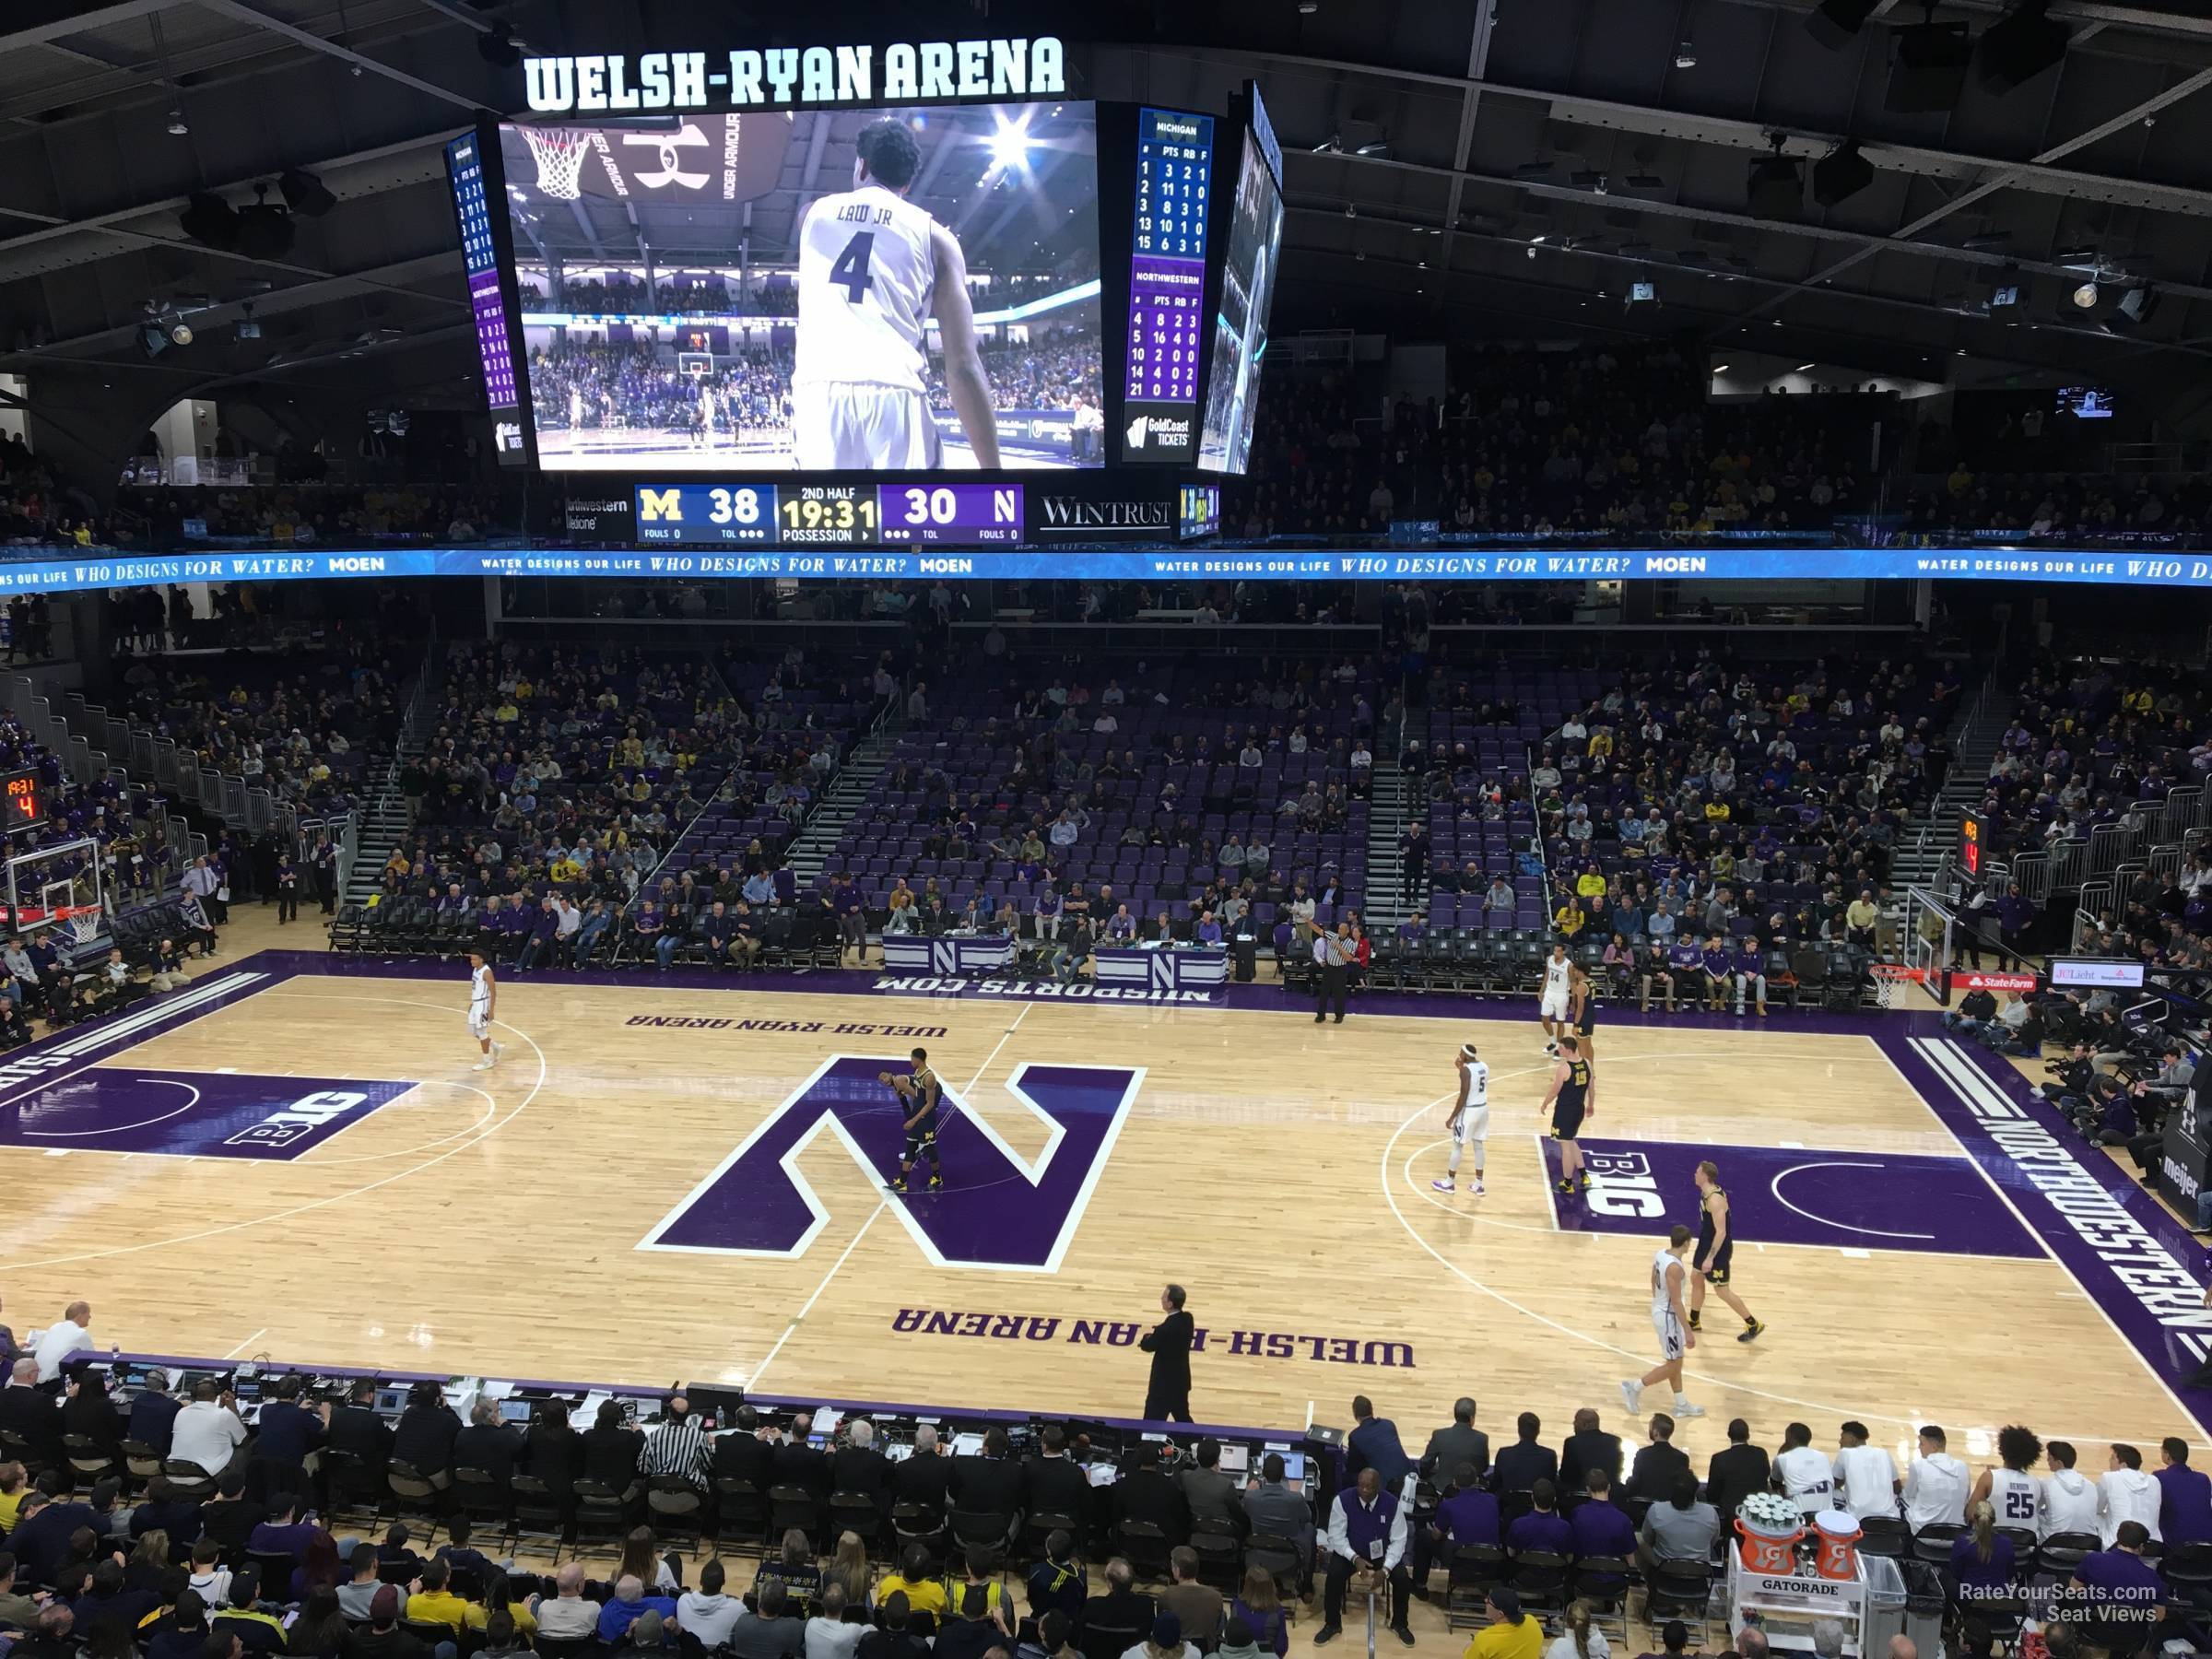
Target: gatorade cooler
{"x": 1768, "y": 1548}
{"x": 1837, "y": 1532}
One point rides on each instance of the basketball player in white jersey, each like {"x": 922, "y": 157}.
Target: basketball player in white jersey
{"x": 2008, "y": 1488}
{"x": 1555, "y": 1007}
{"x": 873, "y": 270}
{"x": 1670, "y": 1323}
{"x": 1469, "y": 1124}
{"x": 483, "y": 993}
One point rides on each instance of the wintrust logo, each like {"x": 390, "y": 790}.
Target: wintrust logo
{"x": 1082, "y": 515}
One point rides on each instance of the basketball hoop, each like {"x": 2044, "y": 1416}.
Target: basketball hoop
{"x": 1890, "y": 980}
{"x": 560, "y": 152}
{"x": 85, "y": 925}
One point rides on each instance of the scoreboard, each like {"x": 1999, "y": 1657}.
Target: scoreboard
{"x": 1167, "y": 284}
{"x": 480, "y": 257}
{"x": 829, "y": 515}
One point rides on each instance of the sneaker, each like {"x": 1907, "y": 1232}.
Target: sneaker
{"x": 937, "y": 1183}
{"x": 1683, "y": 1408}
{"x": 499, "y": 1051}
{"x": 1552, "y": 1049}
{"x": 1443, "y": 1186}
{"x": 1697, "y": 1319}
{"x": 1750, "y": 1333}
{"x": 1326, "y": 1634}
{"x": 483, "y": 1065}
{"x": 1632, "y": 1391}
{"x": 1584, "y": 1179}
{"x": 1562, "y": 1185}
{"x": 1476, "y": 1188}
{"x": 1404, "y": 1634}
{"x": 899, "y": 1184}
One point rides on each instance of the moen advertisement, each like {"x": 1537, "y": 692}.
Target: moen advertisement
{"x": 1056, "y": 517}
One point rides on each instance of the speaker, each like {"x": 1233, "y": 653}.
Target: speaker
{"x": 1841, "y": 174}
{"x": 2019, "y": 46}
{"x": 209, "y": 220}
{"x": 1834, "y": 22}
{"x": 1775, "y": 189}
{"x": 1929, "y": 70}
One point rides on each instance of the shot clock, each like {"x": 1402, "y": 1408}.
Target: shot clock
{"x": 26, "y": 797}
{"x": 830, "y": 515}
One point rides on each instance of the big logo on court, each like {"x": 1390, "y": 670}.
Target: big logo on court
{"x": 998, "y": 1210}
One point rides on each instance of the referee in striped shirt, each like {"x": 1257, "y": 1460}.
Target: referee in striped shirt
{"x": 679, "y": 1446}
{"x": 1332, "y": 957}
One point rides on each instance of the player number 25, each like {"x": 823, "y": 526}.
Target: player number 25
{"x": 930, "y": 506}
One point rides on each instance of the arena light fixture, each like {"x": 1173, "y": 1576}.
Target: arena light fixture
{"x": 1010, "y": 144}
{"x": 2085, "y": 296}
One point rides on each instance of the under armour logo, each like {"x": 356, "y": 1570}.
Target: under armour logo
{"x": 669, "y": 144}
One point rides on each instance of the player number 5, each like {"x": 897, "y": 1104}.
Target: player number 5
{"x": 851, "y": 271}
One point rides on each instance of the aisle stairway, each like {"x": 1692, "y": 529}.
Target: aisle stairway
{"x": 1387, "y": 900}
{"x": 847, "y": 791}
{"x": 382, "y": 821}
{"x": 1933, "y": 837}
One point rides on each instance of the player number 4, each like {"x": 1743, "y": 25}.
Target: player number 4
{"x": 851, "y": 271}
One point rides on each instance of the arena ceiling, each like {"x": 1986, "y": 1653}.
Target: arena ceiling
{"x": 1504, "y": 169}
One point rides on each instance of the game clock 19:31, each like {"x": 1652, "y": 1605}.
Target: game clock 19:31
{"x": 830, "y": 515}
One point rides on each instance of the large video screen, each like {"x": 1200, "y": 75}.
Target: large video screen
{"x": 1247, "y": 272}
{"x": 765, "y": 289}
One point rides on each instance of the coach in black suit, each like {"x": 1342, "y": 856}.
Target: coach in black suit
{"x": 1146, "y": 1494}
{"x": 29, "y": 1410}
{"x": 1168, "y": 1395}
{"x": 357, "y": 1430}
{"x": 1735, "y": 1474}
{"x": 1589, "y": 1447}
{"x": 1526, "y": 1461}
{"x": 858, "y": 1467}
{"x": 796, "y": 1464}
{"x": 1054, "y": 1484}
{"x": 742, "y": 1454}
{"x": 1460, "y": 1442}
{"x": 1659, "y": 1464}
{"x": 989, "y": 1483}
{"x": 920, "y": 1479}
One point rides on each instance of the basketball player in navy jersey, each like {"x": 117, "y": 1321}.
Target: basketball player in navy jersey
{"x": 1582, "y": 1003}
{"x": 874, "y": 268}
{"x": 1712, "y": 1262}
{"x": 1572, "y": 1101}
{"x": 919, "y": 1094}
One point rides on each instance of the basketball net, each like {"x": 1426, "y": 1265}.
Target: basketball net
{"x": 1890, "y": 980}
{"x": 560, "y": 153}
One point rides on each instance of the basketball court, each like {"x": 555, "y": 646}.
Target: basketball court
{"x": 680, "y": 1177}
